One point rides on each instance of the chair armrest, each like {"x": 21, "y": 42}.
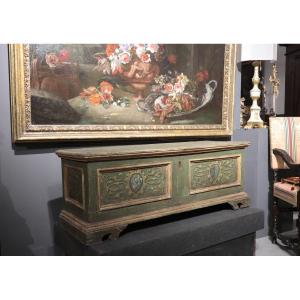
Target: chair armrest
{"x": 286, "y": 158}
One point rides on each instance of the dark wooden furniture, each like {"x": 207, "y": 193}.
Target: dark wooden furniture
{"x": 285, "y": 150}
{"x": 292, "y": 80}
{"x": 107, "y": 188}
{"x": 209, "y": 231}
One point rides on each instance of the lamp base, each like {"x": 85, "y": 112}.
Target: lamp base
{"x": 255, "y": 124}
{"x": 255, "y": 120}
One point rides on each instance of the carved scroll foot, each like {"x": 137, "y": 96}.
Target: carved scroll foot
{"x": 115, "y": 233}
{"x": 237, "y": 204}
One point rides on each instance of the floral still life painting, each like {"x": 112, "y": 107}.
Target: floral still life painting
{"x": 84, "y": 91}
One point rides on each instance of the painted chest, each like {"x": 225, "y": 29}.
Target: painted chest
{"x": 107, "y": 188}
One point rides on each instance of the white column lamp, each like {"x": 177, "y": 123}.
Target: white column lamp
{"x": 257, "y": 53}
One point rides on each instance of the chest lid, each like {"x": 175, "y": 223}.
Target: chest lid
{"x": 147, "y": 150}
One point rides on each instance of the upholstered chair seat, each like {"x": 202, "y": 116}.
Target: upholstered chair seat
{"x": 286, "y": 192}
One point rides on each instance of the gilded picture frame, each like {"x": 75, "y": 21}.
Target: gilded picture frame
{"x": 25, "y": 130}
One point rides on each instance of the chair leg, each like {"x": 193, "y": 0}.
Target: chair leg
{"x": 275, "y": 220}
{"x": 298, "y": 219}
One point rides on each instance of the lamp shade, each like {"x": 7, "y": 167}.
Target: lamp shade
{"x": 258, "y": 52}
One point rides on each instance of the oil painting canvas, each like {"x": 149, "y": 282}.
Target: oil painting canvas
{"x": 85, "y": 91}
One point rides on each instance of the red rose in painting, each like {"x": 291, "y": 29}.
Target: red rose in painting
{"x": 110, "y": 49}
{"x": 163, "y": 107}
{"x": 202, "y": 76}
{"x": 106, "y": 87}
{"x": 64, "y": 55}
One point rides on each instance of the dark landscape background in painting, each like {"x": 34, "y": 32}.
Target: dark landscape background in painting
{"x": 82, "y": 84}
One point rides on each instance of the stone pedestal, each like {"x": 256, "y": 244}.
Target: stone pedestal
{"x": 206, "y": 232}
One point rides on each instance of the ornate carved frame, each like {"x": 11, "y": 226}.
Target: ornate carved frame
{"x": 24, "y": 131}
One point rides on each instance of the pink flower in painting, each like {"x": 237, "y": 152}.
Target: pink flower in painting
{"x": 52, "y": 59}
{"x": 145, "y": 58}
{"x": 153, "y": 48}
{"x": 168, "y": 88}
{"x": 124, "y": 57}
{"x": 64, "y": 55}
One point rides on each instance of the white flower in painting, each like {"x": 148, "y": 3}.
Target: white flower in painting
{"x": 145, "y": 57}
{"x": 153, "y": 48}
{"x": 124, "y": 57}
{"x": 52, "y": 60}
{"x": 114, "y": 63}
{"x": 182, "y": 79}
{"x": 140, "y": 51}
{"x": 179, "y": 87}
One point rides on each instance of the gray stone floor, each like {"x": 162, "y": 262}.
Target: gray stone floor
{"x": 264, "y": 247}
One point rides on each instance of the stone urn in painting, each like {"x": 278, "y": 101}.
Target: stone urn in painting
{"x": 140, "y": 76}
{"x": 135, "y": 64}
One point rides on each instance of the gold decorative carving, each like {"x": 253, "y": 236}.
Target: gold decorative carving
{"x": 203, "y": 177}
{"x": 114, "y": 190}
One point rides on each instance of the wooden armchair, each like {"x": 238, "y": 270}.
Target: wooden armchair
{"x": 285, "y": 162}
